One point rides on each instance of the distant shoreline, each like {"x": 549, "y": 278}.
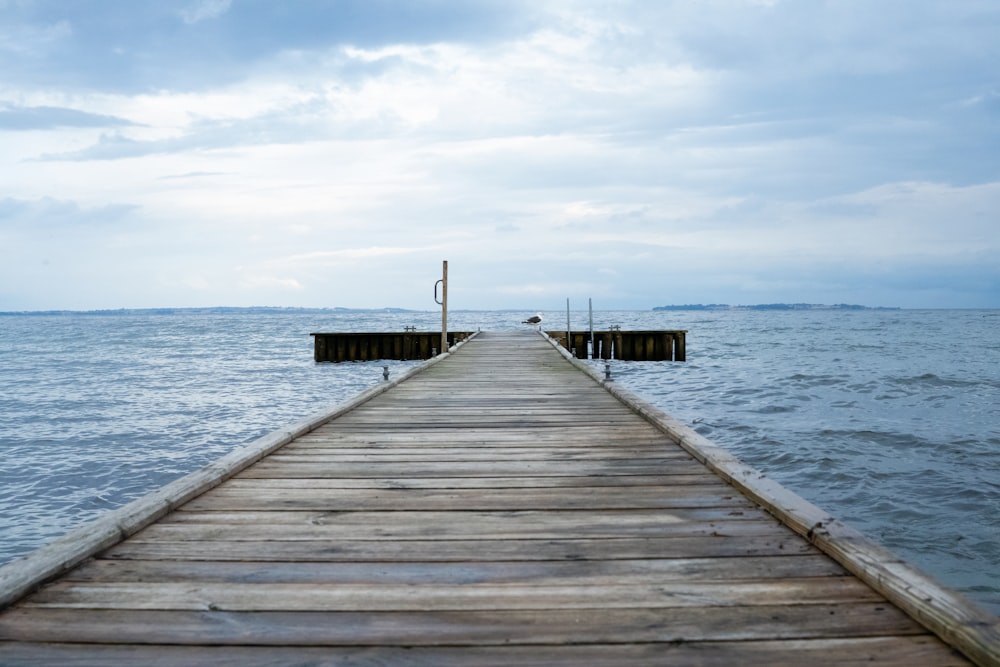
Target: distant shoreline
{"x": 214, "y": 310}
{"x": 776, "y": 306}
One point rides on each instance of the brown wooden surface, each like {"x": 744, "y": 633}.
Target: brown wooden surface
{"x": 497, "y": 508}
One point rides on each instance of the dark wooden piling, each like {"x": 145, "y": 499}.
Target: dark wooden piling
{"x": 648, "y": 345}
{"x": 368, "y": 346}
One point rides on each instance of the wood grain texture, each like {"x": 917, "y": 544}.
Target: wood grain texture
{"x": 498, "y": 507}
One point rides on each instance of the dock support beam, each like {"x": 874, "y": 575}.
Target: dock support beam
{"x": 372, "y": 346}
{"x": 655, "y": 345}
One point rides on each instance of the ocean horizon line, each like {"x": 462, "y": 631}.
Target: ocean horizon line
{"x": 263, "y": 310}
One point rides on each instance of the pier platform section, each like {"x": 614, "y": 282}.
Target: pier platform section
{"x": 642, "y": 345}
{"x": 372, "y": 346}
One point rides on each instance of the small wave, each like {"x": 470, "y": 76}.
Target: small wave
{"x": 773, "y": 409}
{"x": 817, "y": 380}
{"x": 890, "y": 439}
{"x": 932, "y": 380}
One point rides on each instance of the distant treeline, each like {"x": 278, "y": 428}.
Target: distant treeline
{"x": 215, "y": 310}
{"x": 772, "y": 306}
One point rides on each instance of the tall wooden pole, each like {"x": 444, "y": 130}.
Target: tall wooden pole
{"x": 444, "y": 307}
{"x": 569, "y": 341}
{"x": 590, "y": 305}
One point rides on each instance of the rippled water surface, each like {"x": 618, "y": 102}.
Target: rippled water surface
{"x": 887, "y": 419}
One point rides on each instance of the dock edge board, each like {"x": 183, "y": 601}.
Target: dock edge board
{"x": 20, "y": 577}
{"x": 956, "y": 620}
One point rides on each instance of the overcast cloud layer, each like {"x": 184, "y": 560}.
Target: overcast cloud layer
{"x": 334, "y": 152}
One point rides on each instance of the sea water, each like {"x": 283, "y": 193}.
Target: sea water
{"x": 887, "y": 419}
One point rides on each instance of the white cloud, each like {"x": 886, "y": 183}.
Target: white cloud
{"x": 594, "y": 149}
{"x": 203, "y": 10}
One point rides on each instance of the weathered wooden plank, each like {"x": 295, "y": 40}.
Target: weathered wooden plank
{"x": 649, "y": 571}
{"x": 373, "y": 441}
{"x": 472, "y": 443}
{"x": 551, "y": 482}
{"x": 419, "y": 407}
{"x": 485, "y": 521}
{"x": 512, "y": 422}
{"x": 427, "y": 403}
{"x": 470, "y": 468}
{"x": 539, "y": 437}
{"x": 434, "y": 596}
{"x": 855, "y": 652}
{"x": 566, "y": 433}
{"x": 270, "y": 549}
{"x": 334, "y": 456}
{"x": 472, "y": 525}
{"x": 904, "y": 651}
{"x": 465, "y": 628}
{"x": 474, "y": 440}
{"x": 581, "y": 498}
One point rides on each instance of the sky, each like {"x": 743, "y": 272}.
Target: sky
{"x": 332, "y": 153}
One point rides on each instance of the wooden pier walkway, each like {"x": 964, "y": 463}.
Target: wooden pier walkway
{"x": 498, "y": 507}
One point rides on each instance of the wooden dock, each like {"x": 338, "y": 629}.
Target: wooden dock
{"x": 655, "y": 345}
{"x": 497, "y": 507}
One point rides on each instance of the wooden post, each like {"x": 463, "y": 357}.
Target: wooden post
{"x": 590, "y": 307}
{"x": 569, "y": 341}
{"x": 444, "y": 308}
